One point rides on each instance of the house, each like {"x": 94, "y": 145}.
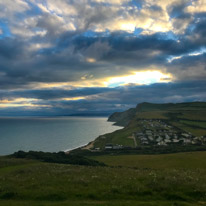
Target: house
{"x": 186, "y": 141}
{"x": 150, "y": 138}
{"x": 145, "y": 142}
{"x": 167, "y": 141}
{"x": 143, "y": 139}
{"x": 117, "y": 146}
{"x": 194, "y": 142}
{"x": 109, "y": 146}
{"x": 148, "y": 132}
{"x": 167, "y": 136}
{"x": 162, "y": 143}
{"x": 185, "y": 135}
{"x": 176, "y": 140}
{"x": 159, "y": 139}
{"x": 140, "y": 137}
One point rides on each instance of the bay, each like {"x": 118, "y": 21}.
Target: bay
{"x": 50, "y": 134}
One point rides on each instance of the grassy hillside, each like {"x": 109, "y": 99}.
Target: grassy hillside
{"x": 185, "y": 117}
{"x": 156, "y": 180}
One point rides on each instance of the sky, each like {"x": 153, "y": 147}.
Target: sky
{"x": 62, "y": 57}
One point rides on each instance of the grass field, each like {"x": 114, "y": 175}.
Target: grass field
{"x": 152, "y": 115}
{"x": 193, "y": 115}
{"x": 196, "y": 131}
{"x": 119, "y": 137}
{"x": 188, "y": 160}
{"x": 197, "y": 124}
{"x": 142, "y": 180}
{"x": 100, "y": 203}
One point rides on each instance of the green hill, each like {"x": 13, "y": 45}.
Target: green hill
{"x": 184, "y": 118}
{"x": 185, "y": 109}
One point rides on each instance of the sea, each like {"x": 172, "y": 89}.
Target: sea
{"x": 50, "y": 134}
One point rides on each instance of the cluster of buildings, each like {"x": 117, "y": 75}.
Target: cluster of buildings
{"x": 157, "y": 132}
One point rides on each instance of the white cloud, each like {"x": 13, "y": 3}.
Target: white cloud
{"x": 197, "y": 6}
{"x": 59, "y": 7}
{"x": 66, "y": 15}
{"x": 10, "y": 7}
{"x": 34, "y": 47}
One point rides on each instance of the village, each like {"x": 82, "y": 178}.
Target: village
{"x": 160, "y": 133}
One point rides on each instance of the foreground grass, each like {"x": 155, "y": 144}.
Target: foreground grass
{"x": 100, "y": 203}
{"x": 187, "y": 160}
{"x": 142, "y": 180}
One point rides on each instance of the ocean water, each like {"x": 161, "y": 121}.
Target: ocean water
{"x": 50, "y": 134}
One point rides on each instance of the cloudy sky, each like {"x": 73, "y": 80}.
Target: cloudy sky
{"x": 59, "y": 57}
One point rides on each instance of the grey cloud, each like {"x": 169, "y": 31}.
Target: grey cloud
{"x": 66, "y": 61}
{"x": 115, "y": 99}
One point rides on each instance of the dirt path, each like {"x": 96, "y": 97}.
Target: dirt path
{"x": 135, "y": 141}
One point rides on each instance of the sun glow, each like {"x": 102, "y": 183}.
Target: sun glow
{"x": 140, "y": 78}
{"x": 130, "y": 27}
{"x": 21, "y": 102}
{"x": 73, "y": 98}
{"x": 91, "y": 60}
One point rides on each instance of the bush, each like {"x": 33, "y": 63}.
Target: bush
{"x": 59, "y": 157}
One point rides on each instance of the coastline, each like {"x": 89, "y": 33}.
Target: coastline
{"x": 87, "y": 146}
{"x": 90, "y": 144}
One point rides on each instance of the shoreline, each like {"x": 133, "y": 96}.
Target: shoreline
{"x": 84, "y": 142}
{"x": 85, "y": 146}
{"x": 90, "y": 144}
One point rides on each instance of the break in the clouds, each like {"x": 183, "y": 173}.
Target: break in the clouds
{"x": 63, "y": 57}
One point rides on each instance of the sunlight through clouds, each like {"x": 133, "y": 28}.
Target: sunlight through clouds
{"x": 21, "y": 102}
{"x": 144, "y": 77}
{"x": 130, "y": 27}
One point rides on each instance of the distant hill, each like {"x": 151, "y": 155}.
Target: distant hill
{"x": 123, "y": 118}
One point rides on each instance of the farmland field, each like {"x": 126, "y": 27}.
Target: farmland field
{"x": 195, "y": 123}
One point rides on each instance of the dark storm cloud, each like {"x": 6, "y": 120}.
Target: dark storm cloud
{"x": 67, "y": 61}
{"x": 129, "y": 94}
{"x": 68, "y": 41}
{"x": 10, "y": 48}
{"x": 49, "y": 94}
{"x": 176, "y": 10}
{"x": 197, "y": 30}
